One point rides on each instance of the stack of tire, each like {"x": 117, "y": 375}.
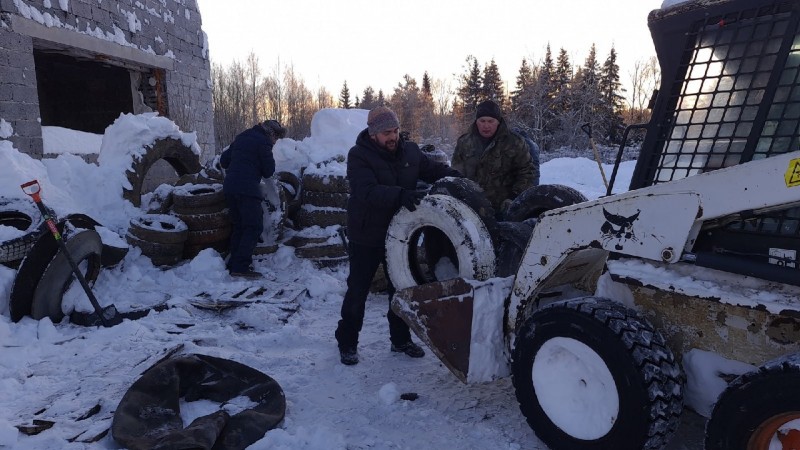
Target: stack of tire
{"x": 325, "y": 251}
{"x": 324, "y": 200}
{"x": 202, "y": 208}
{"x": 160, "y": 237}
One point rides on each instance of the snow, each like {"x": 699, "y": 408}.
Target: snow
{"x": 58, "y": 372}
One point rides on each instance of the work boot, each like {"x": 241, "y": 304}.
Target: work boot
{"x": 348, "y": 356}
{"x": 409, "y": 348}
{"x": 251, "y": 274}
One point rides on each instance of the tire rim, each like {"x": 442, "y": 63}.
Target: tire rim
{"x": 575, "y": 388}
{"x": 779, "y": 432}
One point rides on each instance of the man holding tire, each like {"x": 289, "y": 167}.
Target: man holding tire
{"x": 494, "y": 157}
{"x": 382, "y": 169}
{"x": 247, "y": 160}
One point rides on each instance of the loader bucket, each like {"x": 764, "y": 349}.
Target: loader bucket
{"x": 462, "y": 323}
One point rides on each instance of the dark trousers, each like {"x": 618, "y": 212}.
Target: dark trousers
{"x": 364, "y": 261}
{"x": 247, "y": 217}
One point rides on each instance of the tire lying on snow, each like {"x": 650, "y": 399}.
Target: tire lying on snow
{"x": 22, "y": 214}
{"x": 536, "y": 200}
{"x": 461, "y": 225}
{"x": 758, "y": 408}
{"x": 85, "y": 248}
{"x": 591, "y": 374}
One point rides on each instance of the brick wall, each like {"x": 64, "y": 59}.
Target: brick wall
{"x": 140, "y": 35}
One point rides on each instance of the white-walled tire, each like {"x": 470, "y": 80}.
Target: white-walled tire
{"x": 591, "y": 374}
{"x": 461, "y": 225}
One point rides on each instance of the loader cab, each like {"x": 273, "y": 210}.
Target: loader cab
{"x": 730, "y": 94}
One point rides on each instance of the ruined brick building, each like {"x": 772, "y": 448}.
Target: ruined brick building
{"x": 79, "y": 64}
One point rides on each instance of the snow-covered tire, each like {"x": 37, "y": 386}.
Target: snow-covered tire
{"x": 22, "y": 214}
{"x": 591, "y": 374}
{"x": 470, "y": 193}
{"x": 159, "y": 229}
{"x": 321, "y": 251}
{"x": 209, "y": 237}
{"x": 321, "y": 217}
{"x": 461, "y": 225}
{"x": 434, "y": 154}
{"x": 325, "y": 199}
{"x": 302, "y": 241}
{"x": 293, "y": 190}
{"x": 85, "y": 245}
{"x": 182, "y": 159}
{"x": 206, "y": 221}
{"x": 197, "y": 196}
{"x": 511, "y": 241}
{"x": 536, "y": 200}
{"x": 749, "y": 413}
{"x": 159, "y": 254}
{"x": 112, "y": 254}
{"x": 325, "y": 183}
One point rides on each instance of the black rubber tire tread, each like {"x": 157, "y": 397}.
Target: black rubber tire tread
{"x": 302, "y": 241}
{"x": 511, "y": 241}
{"x": 22, "y": 214}
{"x": 470, "y": 193}
{"x": 326, "y": 199}
{"x": 197, "y": 196}
{"x": 197, "y": 222}
{"x": 292, "y": 180}
{"x": 210, "y": 209}
{"x": 325, "y": 183}
{"x": 536, "y": 200}
{"x": 85, "y": 245}
{"x": 208, "y": 237}
{"x": 156, "y": 249}
{"x": 649, "y": 381}
{"x": 182, "y": 159}
{"x": 750, "y": 400}
{"x": 112, "y": 255}
{"x": 321, "y": 251}
{"x": 321, "y": 217}
{"x": 153, "y": 228}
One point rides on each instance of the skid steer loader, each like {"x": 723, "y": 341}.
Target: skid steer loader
{"x": 700, "y": 253}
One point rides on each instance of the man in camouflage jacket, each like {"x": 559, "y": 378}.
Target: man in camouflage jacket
{"x": 494, "y": 157}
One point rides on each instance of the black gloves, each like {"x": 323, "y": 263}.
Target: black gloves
{"x": 410, "y": 199}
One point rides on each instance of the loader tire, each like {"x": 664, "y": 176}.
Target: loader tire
{"x": 512, "y": 240}
{"x": 591, "y": 374}
{"x": 459, "y": 223}
{"x": 85, "y": 246}
{"x": 536, "y": 200}
{"x": 182, "y": 159}
{"x": 159, "y": 229}
{"x": 758, "y": 409}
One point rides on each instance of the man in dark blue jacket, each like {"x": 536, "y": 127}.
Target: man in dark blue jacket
{"x": 382, "y": 169}
{"x": 246, "y": 161}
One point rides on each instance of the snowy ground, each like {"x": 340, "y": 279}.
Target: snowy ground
{"x": 60, "y": 372}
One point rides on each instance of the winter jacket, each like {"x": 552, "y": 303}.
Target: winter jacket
{"x": 246, "y": 161}
{"x": 376, "y": 179}
{"x": 503, "y": 169}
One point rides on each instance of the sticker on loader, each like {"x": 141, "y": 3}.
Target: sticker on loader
{"x": 793, "y": 173}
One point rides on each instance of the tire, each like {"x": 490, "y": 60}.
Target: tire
{"x": 755, "y": 406}
{"x": 57, "y": 278}
{"x": 470, "y": 193}
{"x": 321, "y": 251}
{"x": 632, "y": 397}
{"x": 208, "y": 237}
{"x": 173, "y": 151}
{"x": 325, "y": 199}
{"x": 325, "y": 183}
{"x": 112, "y": 254}
{"x": 321, "y": 217}
{"x": 159, "y": 254}
{"x": 512, "y": 240}
{"x": 435, "y": 154}
{"x": 159, "y": 229}
{"x": 293, "y": 189}
{"x": 23, "y": 215}
{"x": 197, "y": 222}
{"x": 196, "y": 196}
{"x": 461, "y": 225}
{"x": 536, "y": 200}
{"x": 302, "y": 241}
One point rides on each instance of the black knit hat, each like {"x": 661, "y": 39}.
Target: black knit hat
{"x": 488, "y": 109}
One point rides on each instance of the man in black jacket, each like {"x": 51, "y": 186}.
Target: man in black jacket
{"x": 246, "y": 161}
{"x": 382, "y": 169}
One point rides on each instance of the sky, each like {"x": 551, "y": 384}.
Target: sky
{"x": 59, "y": 372}
{"x": 376, "y": 43}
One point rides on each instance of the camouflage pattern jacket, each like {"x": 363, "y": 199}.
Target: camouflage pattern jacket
{"x": 503, "y": 169}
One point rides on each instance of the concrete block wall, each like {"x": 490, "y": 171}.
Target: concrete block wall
{"x": 156, "y": 29}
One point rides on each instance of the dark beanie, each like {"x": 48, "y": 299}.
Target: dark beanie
{"x": 381, "y": 119}
{"x": 488, "y": 109}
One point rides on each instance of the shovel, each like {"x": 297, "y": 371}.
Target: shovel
{"x": 108, "y": 316}
{"x": 587, "y": 128}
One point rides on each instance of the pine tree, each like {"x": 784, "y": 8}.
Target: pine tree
{"x": 381, "y": 99}
{"x": 524, "y": 83}
{"x": 426, "y": 85}
{"x": 344, "y": 97}
{"x": 406, "y": 103}
{"x": 493, "y": 88}
{"x": 427, "y": 113}
{"x": 470, "y": 91}
{"x": 368, "y": 100}
{"x": 611, "y": 91}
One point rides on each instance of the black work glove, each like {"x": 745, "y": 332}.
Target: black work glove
{"x": 410, "y": 198}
